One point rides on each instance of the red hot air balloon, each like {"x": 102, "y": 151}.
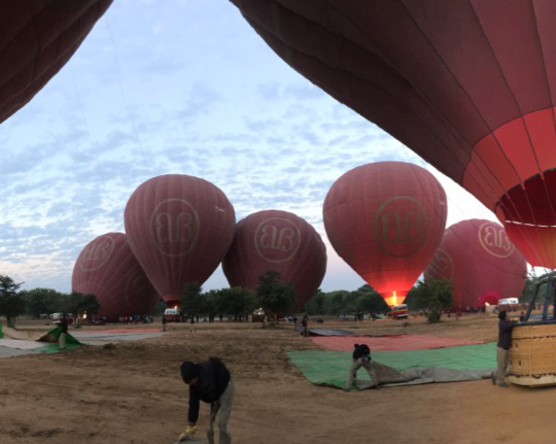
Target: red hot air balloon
{"x": 108, "y": 269}
{"x": 280, "y": 241}
{"x": 180, "y": 228}
{"x": 484, "y": 266}
{"x": 386, "y": 220}
{"x": 37, "y": 38}
{"x": 469, "y": 85}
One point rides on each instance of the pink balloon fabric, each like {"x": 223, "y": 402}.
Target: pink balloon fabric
{"x": 480, "y": 260}
{"x": 180, "y": 228}
{"x": 280, "y": 241}
{"x": 108, "y": 269}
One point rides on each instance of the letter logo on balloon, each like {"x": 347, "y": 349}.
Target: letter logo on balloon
{"x": 494, "y": 240}
{"x": 96, "y": 254}
{"x": 277, "y": 239}
{"x": 441, "y": 265}
{"x": 401, "y": 230}
{"x": 174, "y": 227}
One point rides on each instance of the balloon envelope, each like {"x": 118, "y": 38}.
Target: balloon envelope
{"x": 482, "y": 263}
{"x": 180, "y": 228}
{"x": 108, "y": 269}
{"x": 386, "y": 220}
{"x": 280, "y": 241}
{"x": 469, "y": 85}
{"x": 37, "y": 38}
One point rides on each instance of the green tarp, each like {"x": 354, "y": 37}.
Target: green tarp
{"x": 1, "y": 334}
{"x": 52, "y": 336}
{"x": 460, "y": 363}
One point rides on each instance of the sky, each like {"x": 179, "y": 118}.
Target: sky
{"x": 180, "y": 87}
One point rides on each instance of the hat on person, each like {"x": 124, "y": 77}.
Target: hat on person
{"x": 189, "y": 371}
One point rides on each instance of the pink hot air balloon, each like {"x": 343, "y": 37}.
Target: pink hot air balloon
{"x": 108, "y": 269}
{"x": 386, "y": 220}
{"x": 180, "y": 228}
{"x": 484, "y": 266}
{"x": 37, "y": 38}
{"x": 280, "y": 241}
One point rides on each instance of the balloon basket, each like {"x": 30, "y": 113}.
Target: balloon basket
{"x": 533, "y": 355}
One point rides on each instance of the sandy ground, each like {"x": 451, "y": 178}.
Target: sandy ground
{"x": 133, "y": 393}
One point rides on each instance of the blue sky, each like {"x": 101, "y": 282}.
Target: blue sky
{"x": 176, "y": 87}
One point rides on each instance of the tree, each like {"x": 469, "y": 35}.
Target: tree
{"x": 235, "y": 301}
{"x": 41, "y": 301}
{"x": 192, "y": 301}
{"x": 274, "y": 295}
{"x": 435, "y": 296}
{"x": 371, "y": 303}
{"x": 12, "y": 302}
{"x": 81, "y": 303}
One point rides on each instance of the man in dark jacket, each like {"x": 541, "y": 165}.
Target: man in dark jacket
{"x": 503, "y": 349}
{"x": 212, "y": 383}
{"x": 64, "y": 326}
{"x": 361, "y": 358}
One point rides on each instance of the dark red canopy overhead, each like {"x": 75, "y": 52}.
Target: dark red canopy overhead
{"x": 484, "y": 266}
{"x": 280, "y": 241}
{"x": 470, "y": 85}
{"x": 386, "y": 220}
{"x": 37, "y": 38}
{"x": 108, "y": 269}
{"x": 180, "y": 228}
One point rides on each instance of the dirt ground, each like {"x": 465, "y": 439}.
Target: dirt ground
{"x": 132, "y": 392}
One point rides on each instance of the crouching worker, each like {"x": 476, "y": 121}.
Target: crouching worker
{"x": 209, "y": 382}
{"x": 361, "y": 358}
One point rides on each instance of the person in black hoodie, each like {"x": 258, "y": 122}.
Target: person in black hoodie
{"x": 212, "y": 383}
{"x": 505, "y": 327}
{"x": 361, "y": 358}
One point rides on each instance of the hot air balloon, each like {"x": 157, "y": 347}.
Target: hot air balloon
{"x": 180, "y": 228}
{"x": 37, "y": 38}
{"x": 386, "y": 220}
{"x": 484, "y": 266}
{"x": 280, "y": 241}
{"x": 469, "y": 85}
{"x": 108, "y": 269}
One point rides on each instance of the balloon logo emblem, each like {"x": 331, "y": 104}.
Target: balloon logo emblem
{"x": 277, "y": 239}
{"x": 401, "y": 226}
{"x": 442, "y": 265}
{"x": 495, "y": 241}
{"x": 96, "y": 254}
{"x": 174, "y": 227}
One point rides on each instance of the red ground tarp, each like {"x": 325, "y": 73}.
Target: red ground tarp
{"x": 390, "y": 342}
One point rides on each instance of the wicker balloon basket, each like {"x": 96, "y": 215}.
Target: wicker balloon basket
{"x": 533, "y": 355}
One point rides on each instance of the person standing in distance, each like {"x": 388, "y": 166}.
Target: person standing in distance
{"x": 212, "y": 383}
{"x": 505, "y": 327}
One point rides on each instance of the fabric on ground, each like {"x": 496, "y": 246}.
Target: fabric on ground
{"x": 1, "y": 334}
{"x": 390, "y": 342}
{"x": 54, "y": 348}
{"x": 20, "y": 344}
{"x": 328, "y": 332}
{"x": 460, "y": 363}
{"x": 54, "y": 334}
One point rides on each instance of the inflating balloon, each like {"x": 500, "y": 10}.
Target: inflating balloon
{"x": 279, "y": 241}
{"x": 180, "y": 228}
{"x": 386, "y": 220}
{"x": 108, "y": 269}
{"x": 37, "y": 38}
{"x": 469, "y": 85}
{"x": 482, "y": 263}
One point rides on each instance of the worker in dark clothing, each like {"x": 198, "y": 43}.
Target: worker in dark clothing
{"x": 212, "y": 383}
{"x": 64, "y": 326}
{"x": 505, "y": 327}
{"x": 361, "y": 358}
